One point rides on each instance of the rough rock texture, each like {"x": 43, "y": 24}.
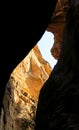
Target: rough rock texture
{"x": 22, "y": 92}
{"x": 58, "y": 105}
{"x": 57, "y": 26}
{"x": 23, "y": 88}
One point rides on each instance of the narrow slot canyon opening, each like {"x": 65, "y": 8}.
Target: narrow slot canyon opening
{"x": 45, "y": 44}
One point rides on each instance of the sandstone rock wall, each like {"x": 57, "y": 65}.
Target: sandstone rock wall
{"x": 57, "y": 25}
{"x": 23, "y": 88}
{"x": 22, "y": 92}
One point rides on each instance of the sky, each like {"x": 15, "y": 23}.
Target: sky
{"x": 45, "y": 44}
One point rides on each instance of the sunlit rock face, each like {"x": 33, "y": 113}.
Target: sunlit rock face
{"x": 57, "y": 26}
{"x": 32, "y": 72}
{"x": 21, "y": 96}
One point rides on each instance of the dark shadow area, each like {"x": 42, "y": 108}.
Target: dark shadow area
{"x": 58, "y": 104}
{"x": 22, "y": 25}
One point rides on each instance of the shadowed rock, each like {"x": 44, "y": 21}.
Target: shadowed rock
{"x": 22, "y": 26}
{"x": 58, "y": 104}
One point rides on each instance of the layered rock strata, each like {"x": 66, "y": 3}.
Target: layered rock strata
{"x": 22, "y": 92}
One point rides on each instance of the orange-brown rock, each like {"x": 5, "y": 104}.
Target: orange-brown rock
{"x": 32, "y": 72}
{"x": 21, "y": 95}
{"x": 22, "y": 92}
{"x": 57, "y": 26}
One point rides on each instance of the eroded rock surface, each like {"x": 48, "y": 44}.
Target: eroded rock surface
{"x": 57, "y": 25}
{"x": 23, "y": 88}
{"x": 21, "y": 96}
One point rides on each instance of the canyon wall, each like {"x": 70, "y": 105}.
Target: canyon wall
{"x": 22, "y": 92}
{"x": 57, "y": 25}
{"x": 23, "y": 87}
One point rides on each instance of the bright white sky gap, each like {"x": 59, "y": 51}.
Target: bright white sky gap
{"x": 45, "y": 44}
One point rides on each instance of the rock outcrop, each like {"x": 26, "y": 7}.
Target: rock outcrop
{"x": 22, "y": 92}
{"x": 56, "y": 26}
{"x": 21, "y": 95}
{"x": 58, "y": 104}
